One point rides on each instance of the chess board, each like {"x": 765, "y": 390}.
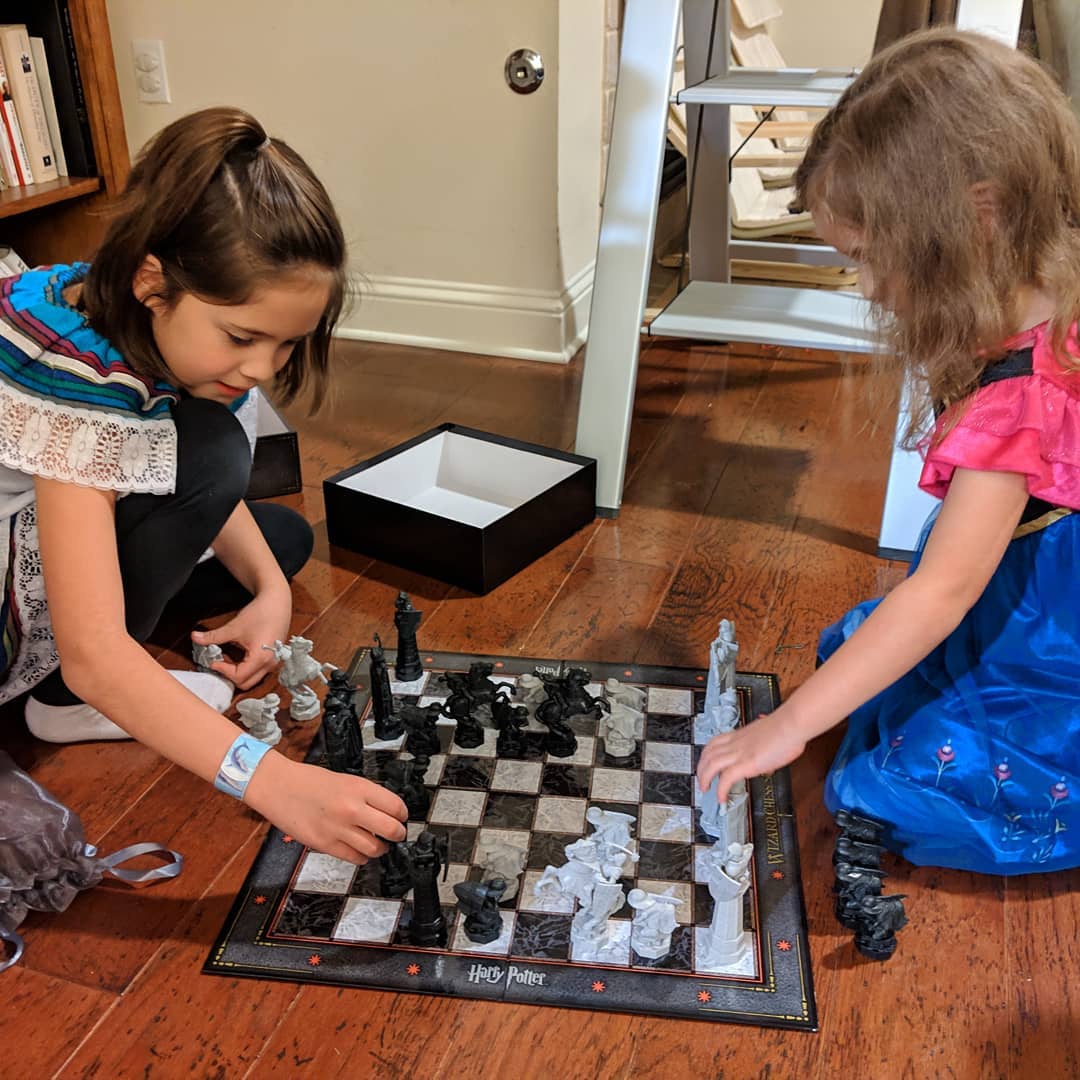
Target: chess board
{"x": 307, "y": 917}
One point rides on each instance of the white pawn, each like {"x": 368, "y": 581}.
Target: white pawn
{"x": 205, "y": 656}
{"x": 258, "y": 715}
{"x": 531, "y": 690}
{"x": 654, "y": 922}
{"x": 615, "y": 691}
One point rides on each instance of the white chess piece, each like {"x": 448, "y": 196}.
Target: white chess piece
{"x": 725, "y": 822}
{"x": 727, "y": 940}
{"x": 654, "y": 923}
{"x": 258, "y": 715}
{"x": 205, "y": 656}
{"x": 620, "y": 729}
{"x": 531, "y": 690}
{"x": 615, "y": 691}
{"x": 504, "y": 861}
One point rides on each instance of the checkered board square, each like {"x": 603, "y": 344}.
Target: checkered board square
{"x": 310, "y": 917}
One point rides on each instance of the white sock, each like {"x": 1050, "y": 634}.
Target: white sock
{"x": 83, "y": 723}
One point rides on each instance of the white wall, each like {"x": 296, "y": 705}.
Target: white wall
{"x": 826, "y": 33}
{"x": 471, "y": 211}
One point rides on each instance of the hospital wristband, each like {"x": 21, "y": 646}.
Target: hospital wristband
{"x": 239, "y": 765}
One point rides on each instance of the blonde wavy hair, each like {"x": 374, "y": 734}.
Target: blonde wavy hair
{"x": 933, "y": 126}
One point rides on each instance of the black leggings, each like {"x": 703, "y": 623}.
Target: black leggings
{"x": 160, "y": 538}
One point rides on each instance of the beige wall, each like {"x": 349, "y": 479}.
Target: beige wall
{"x": 471, "y": 210}
{"x": 826, "y": 33}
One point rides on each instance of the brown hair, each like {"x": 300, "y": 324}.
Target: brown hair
{"x": 929, "y": 123}
{"x": 225, "y": 209}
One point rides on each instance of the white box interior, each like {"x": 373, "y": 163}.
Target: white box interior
{"x": 461, "y": 478}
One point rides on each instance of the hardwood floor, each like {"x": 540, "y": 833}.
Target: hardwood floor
{"x": 754, "y": 492}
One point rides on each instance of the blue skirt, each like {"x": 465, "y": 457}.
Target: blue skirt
{"x": 972, "y": 759}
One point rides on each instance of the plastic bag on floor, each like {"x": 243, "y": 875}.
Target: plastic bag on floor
{"x": 45, "y": 860}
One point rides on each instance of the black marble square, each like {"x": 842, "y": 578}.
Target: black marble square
{"x": 586, "y": 724}
{"x": 462, "y": 840}
{"x": 606, "y": 761}
{"x": 506, "y": 811}
{"x": 664, "y": 861}
{"x": 401, "y": 933}
{"x": 467, "y": 772}
{"x": 566, "y": 780}
{"x": 703, "y": 904}
{"x": 699, "y": 701}
{"x": 548, "y": 849}
{"x": 367, "y": 881}
{"x": 532, "y": 748}
{"x": 671, "y": 788}
{"x": 375, "y": 761}
{"x": 679, "y": 729}
{"x": 679, "y": 958}
{"x": 541, "y": 935}
{"x": 309, "y": 915}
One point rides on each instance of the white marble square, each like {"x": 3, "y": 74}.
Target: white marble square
{"x": 368, "y": 919}
{"x": 455, "y": 872}
{"x": 681, "y": 890}
{"x": 595, "y": 689}
{"x": 517, "y": 776}
{"x": 616, "y": 949}
{"x": 549, "y": 899}
{"x": 433, "y": 699}
{"x": 499, "y": 947}
{"x": 416, "y": 686}
{"x": 667, "y": 757}
{"x": 660, "y": 821}
{"x": 414, "y": 828}
{"x": 669, "y": 701}
{"x": 558, "y": 813}
{"x": 746, "y": 965}
{"x": 516, "y": 838}
{"x": 583, "y": 755}
{"x": 324, "y": 874}
{"x": 506, "y": 680}
{"x": 367, "y": 733}
{"x": 435, "y": 770}
{"x": 616, "y": 785}
{"x": 453, "y": 806}
{"x": 485, "y": 749}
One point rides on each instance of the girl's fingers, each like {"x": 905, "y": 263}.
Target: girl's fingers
{"x": 362, "y": 841}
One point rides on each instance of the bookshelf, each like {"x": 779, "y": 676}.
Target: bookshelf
{"x": 65, "y": 219}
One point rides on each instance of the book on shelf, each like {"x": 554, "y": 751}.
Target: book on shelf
{"x": 50, "y": 20}
{"x": 15, "y": 47}
{"x": 21, "y": 174}
{"x": 41, "y": 69}
{"x": 10, "y": 263}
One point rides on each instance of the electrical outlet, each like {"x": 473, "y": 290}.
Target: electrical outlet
{"x": 151, "y": 79}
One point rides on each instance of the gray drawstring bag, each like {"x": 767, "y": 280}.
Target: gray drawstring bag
{"x": 45, "y": 860}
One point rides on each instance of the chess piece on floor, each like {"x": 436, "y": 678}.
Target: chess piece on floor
{"x": 654, "y": 923}
{"x": 856, "y": 827}
{"x": 620, "y": 693}
{"x": 342, "y": 739}
{"x": 857, "y": 852}
{"x": 478, "y": 901}
{"x": 851, "y": 885}
{"x": 259, "y": 715}
{"x": 426, "y": 858}
{"x": 501, "y": 860}
{"x": 405, "y": 780}
{"x": 727, "y": 874}
{"x": 388, "y": 725}
{"x": 877, "y": 919}
{"x": 620, "y": 729}
{"x": 407, "y": 666}
{"x": 298, "y": 668}
{"x": 339, "y": 689}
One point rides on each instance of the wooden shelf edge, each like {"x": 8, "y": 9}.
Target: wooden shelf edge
{"x": 19, "y": 200}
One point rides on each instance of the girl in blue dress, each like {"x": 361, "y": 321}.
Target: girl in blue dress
{"x": 950, "y": 171}
{"x": 122, "y": 462}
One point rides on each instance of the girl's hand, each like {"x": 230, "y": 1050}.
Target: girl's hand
{"x": 340, "y": 815}
{"x": 767, "y": 744}
{"x": 261, "y": 622}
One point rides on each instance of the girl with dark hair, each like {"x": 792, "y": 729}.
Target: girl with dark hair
{"x": 122, "y": 462}
{"x": 950, "y": 170}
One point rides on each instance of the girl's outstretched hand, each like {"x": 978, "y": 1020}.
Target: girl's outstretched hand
{"x": 766, "y": 744}
{"x": 261, "y": 622}
{"x": 340, "y": 815}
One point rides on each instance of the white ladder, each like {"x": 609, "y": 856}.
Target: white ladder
{"x": 710, "y": 307}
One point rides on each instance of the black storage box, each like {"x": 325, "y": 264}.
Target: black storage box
{"x": 275, "y": 466}
{"x": 461, "y": 505}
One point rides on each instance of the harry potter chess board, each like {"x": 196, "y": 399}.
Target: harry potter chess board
{"x": 307, "y": 917}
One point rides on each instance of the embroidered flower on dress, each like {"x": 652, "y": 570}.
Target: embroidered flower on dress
{"x": 80, "y": 450}
{"x": 1059, "y": 791}
{"x": 945, "y": 756}
{"x": 134, "y": 454}
{"x": 34, "y": 437}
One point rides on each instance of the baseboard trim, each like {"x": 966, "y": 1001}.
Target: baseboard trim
{"x": 490, "y": 320}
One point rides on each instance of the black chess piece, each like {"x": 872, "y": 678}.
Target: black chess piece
{"x": 426, "y": 856}
{"x": 405, "y": 780}
{"x": 479, "y": 903}
{"x": 339, "y": 689}
{"x": 852, "y": 884}
{"x": 407, "y": 620}
{"x": 395, "y": 879}
{"x": 459, "y": 706}
{"x": 420, "y": 724}
{"x": 578, "y": 700}
{"x": 482, "y": 687}
{"x": 342, "y": 738}
{"x": 858, "y": 853}
{"x": 856, "y": 827}
{"x": 554, "y": 712}
{"x": 388, "y": 724}
{"x": 877, "y": 920}
{"x": 509, "y": 719}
